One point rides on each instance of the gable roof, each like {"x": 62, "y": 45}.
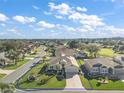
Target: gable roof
{"x": 101, "y": 61}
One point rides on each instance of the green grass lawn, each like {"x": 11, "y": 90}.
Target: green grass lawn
{"x": 51, "y": 83}
{"x": 107, "y": 52}
{"x": 85, "y": 82}
{"x": 80, "y": 62}
{"x": 112, "y": 85}
{"x": 2, "y": 75}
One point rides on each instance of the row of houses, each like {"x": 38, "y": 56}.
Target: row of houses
{"x": 23, "y": 51}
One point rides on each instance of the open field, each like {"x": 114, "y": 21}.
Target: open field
{"x": 107, "y": 52}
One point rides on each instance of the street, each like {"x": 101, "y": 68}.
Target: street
{"x": 11, "y": 78}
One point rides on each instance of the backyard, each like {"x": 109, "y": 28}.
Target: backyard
{"x": 51, "y": 81}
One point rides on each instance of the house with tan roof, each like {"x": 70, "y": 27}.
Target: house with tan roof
{"x": 104, "y": 66}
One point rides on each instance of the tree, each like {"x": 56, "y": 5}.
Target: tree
{"x": 93, "y": 49}
{"x": 11, "y": 54}
{"x": 73, "y": 44}
{"x": 7, "y": 88}
{"x": 82, "y": 46}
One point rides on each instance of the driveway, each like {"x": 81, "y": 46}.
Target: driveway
{"x": 73, "y": 80}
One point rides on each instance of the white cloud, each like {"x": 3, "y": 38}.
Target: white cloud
{"x": 3, "y": 18}
{"x": 45, "y": 25}
{"x": 3, "y": 25}
{"x": 61, "y": 8}
{"x": 81, "y": 9}
{"x": 58, "y": 16}
{"x": 91, "y": 20}
{"x": 15, "y": 31}
{"x": 24, "y": 19}
{"x": 35, "y": 7}
{"x": 47, "y": 13}
{"x": 3, "y": 33}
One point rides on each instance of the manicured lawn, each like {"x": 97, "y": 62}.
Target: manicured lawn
{"x": 2, "y": 75}
{"x": 107, "y": 52}
{"x": 85, "y": 82}
{"x": 51, "y": 83}
{"x": 112, "y": 85}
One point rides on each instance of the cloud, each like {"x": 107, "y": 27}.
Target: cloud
{"x": 81, "y": 9}
{"x": 2, "y": 33}
{"x": 3, "y": 18}
{"x": 61, "y": 8}
{"x": 91, "y": 20}
{"x": 35, "y": 7}
{"x": 90, "y": 25}
{"x": 24, "y": 19}
{"x": 15, "y": 31}
{"x": 3, "y": 25}
{"x": 58, "y": 16}
{"x": 45, "y": 25}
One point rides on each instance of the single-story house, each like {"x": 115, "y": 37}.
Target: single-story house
{"x": 4, "y": 61}
{"x": 58, "y": 63}
{"x": 104, "y": 66}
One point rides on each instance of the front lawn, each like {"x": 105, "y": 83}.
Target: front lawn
{"x": 85, "y": 82}
{"x": 52, "y": 81}
{"x": 112, "y": 85}
{"x": 2, "y": 75}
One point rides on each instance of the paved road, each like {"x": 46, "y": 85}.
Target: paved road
{"x": 69, "y": 91}
{"x": 21, "y": 70}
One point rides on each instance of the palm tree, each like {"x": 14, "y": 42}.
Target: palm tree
{"x": 6, "y": 88}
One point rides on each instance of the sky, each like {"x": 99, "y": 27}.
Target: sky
{"x": 42, "y": 19}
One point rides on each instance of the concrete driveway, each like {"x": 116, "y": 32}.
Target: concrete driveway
{"x": 72, "y": 79}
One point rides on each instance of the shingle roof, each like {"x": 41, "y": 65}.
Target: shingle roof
{"x": 108, "y": 62}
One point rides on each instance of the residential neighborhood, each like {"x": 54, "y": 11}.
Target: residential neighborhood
{"x": 52, "y": 66}
{"x": 61, "y": 46}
